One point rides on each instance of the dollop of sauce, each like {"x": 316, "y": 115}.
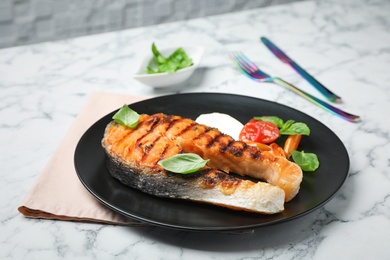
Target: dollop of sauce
{"x": 223, "y": 122}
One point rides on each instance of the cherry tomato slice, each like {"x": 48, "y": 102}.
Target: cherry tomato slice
{"x": 259, "y": 131}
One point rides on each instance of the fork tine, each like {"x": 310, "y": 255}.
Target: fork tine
{"x": 243, "y": 62}
{"x": 255, "y": 68}
{"x": 242, "y": 66}
{"x": 250, "y": 66}
{"x": 248, "y": 63}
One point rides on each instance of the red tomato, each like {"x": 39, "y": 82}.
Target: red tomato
{"x": 259, "y": 131}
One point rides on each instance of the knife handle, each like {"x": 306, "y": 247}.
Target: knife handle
{"x": 322, "y": 104}
{"x": 321, "y": 88}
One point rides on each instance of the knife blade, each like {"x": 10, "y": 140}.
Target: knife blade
{"x": 284, "y": 58}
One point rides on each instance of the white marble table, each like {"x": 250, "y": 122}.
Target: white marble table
{"x": 345, "y": 44}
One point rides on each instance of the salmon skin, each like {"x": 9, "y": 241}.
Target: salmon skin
{"x": 206, "y": 186}
{"x": 133, "y": 156}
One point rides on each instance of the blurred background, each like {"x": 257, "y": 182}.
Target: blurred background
{"x": 31, "y": 21}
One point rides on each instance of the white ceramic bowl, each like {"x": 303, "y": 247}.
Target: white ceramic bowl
{"x": 164, "y": 79}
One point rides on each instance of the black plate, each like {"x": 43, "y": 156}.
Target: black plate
{"x": 316, "y": 189}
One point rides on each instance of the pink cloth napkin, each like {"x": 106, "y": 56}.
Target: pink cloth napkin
{"x": 58, "y": 192}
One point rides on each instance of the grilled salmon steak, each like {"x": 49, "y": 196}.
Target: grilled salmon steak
{"x": 133, "y": 156}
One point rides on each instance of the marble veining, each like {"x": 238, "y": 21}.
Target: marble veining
{"x": 345, "y": 45}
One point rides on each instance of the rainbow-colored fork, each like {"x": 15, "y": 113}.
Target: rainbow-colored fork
{"x": 253, "y": 72}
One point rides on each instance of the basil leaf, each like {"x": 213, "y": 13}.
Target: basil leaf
{"x": 168, "y": 66}
{"x": 290, "y": 127}
{"x": 177, "y": 60}
{"x": 183, "y": 163}
{"x": 274, "y": 119}
{"x": 157, "y": 55}
{"x": 180, "y": 57}
{"x": 295, "y": 128}
{"x": 149, "y": 70}
{"x": 307, "y": 161}
{"x": 288, "y": 124}
{"x": 127, "y": 117}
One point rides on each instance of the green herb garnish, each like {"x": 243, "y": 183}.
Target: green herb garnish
{"x": 183, "y": 163}
{"x": 307, "y": 161}
{"x": 290, "y": 127}
{"x": 177, "y": 60}
{"x": 294, "y": 128}
{"x": 127, "y": 117}
{"x": 273, "y": 119}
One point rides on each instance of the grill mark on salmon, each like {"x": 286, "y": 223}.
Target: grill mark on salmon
{"x": 170, "y": 123}
{"x": 162, "y": 156}
{"x": 204, "y": 133}
{"x": 232, "y": 148}
{"x": 254, "y": 154}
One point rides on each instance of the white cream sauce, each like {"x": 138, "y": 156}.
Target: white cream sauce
{"x": 225, "y": 123}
